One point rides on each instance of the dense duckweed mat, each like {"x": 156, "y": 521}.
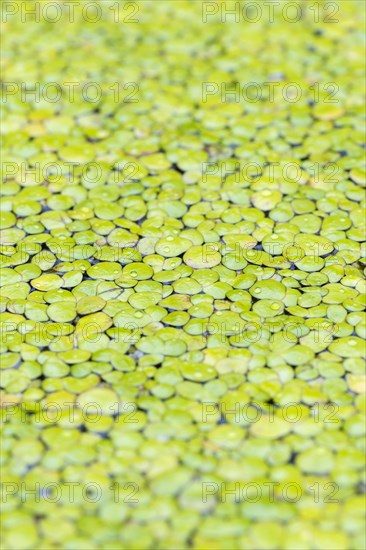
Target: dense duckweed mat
{"x": 182, "y": 275}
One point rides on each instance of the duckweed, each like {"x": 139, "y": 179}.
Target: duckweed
{"x": 202, "y": 257}
{"x": 182, "y": 286}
